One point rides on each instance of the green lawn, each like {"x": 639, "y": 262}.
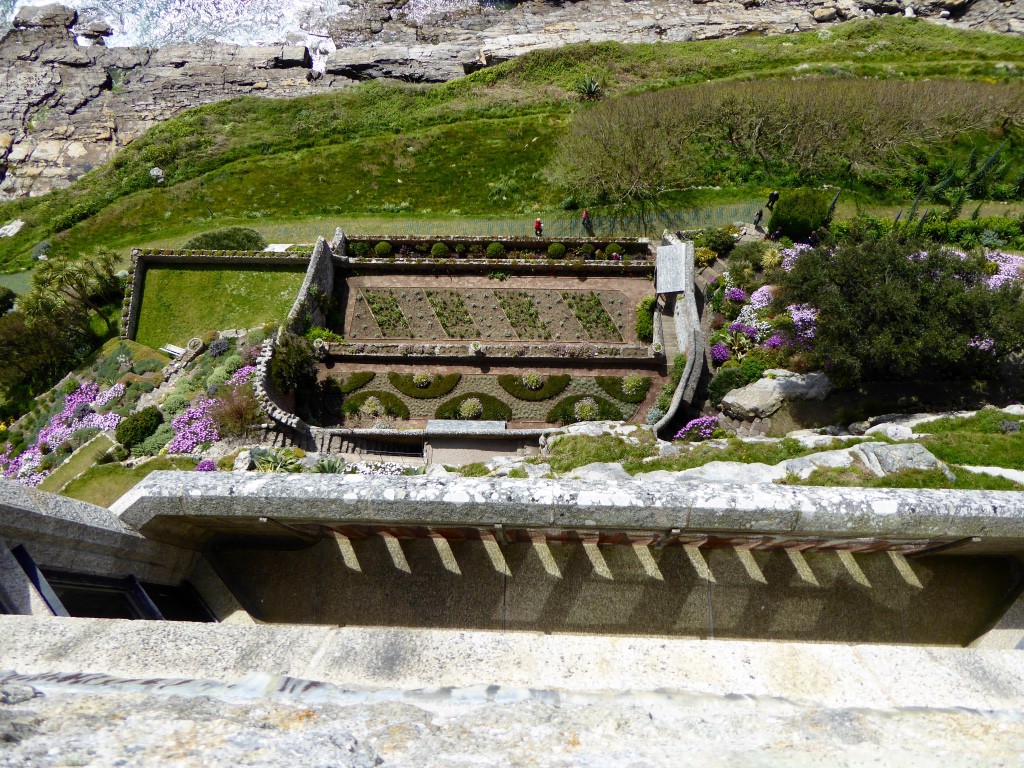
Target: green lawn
{"x": 106, "y": 483}
{"x": 475, "y": 147}
{"x": 179, "y": 303}
{"x": 78, "y": 463}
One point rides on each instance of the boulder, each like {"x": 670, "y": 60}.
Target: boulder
{"x": 765, "y": 396}
{"x": 45, "y": 16}
{"x": 733, "y": 472}
{"x": 600, "y": 471}
{"x": 892, "y": 431}
{"x": 883, "y": 459}
{"x": 828, "y": 13}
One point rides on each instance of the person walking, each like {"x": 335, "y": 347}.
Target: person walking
{"x": 773, "y": 198}
{"x": 757, "y": 218}
{"x": 586, "y": 221}
{"x": 538, "y": 227}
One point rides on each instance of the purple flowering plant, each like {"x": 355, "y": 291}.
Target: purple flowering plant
{"x": 701, "y": 428}
{"x": 720, "y": 353}
{"x": 736, "y": 295}
{"x": 194, "y": 427}
{"x": 206, "y": 465}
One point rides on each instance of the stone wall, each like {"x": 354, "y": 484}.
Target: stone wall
{"x": 67, "y": 108}
{"x": 318, "y": 285}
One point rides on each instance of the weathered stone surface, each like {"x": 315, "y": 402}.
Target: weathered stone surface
{"x": 885, "y": 459}
{"x": 892, "y": 431}
{"x": 765, "y": 396}
{"x": 828, "y": 13}
{"x": 45, "y": 16}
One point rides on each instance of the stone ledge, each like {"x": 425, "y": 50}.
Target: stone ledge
{"x": 822, "y": 674}
{"x": 175, "y": 505}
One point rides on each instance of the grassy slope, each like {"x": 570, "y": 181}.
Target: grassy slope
{"x": 106, "y": 483}
{"x": 79, "y": 462}
{"x": 324, "y": 154}
{"x": 180, "y": 303}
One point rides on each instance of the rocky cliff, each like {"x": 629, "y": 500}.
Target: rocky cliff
{"x": 68, "y": 102}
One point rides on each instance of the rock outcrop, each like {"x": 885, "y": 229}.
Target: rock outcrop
{"x": 66, "y": 108}
{"x": 765, "y": 396}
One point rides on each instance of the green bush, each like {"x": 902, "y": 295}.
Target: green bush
{"x": 174, "y": 404}
{"x": 151, "y": 445}
{"x": 616, "y": 387}
{"x": 382, "y": 249}
{"x": 612, "y": 248}
{"x": 718, "y": 239}
{"x": 439, "y": 251}
{"x": 323, "y": 334}
{"x": 470, "y": 408}
{"x": 556, "y": 251}
{"x": 228, "y": 239}
{"x": 138, "y": 426}
{"x": 645, "y": 318}
{"x": 726, "y": 380}
{"x": 440, "y": 385}
{"x": 493, "y": 409}
{"x": 495, "y": 251}
{"x": 392, "y": 404}
{"x": 565, "y": 411}
{"x": 752, "y": 369}
{"x": 550, "y": 386}
{"x": 354, "y": 381}
{"x": 292, "y": 365}
{"x": 800, "y": 212}
{"x": 360, "y": 250}
{"x": 147, "y": 366}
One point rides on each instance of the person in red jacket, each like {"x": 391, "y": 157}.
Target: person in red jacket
{"x": 538, "y": 227}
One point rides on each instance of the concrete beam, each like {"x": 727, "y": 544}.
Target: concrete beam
{"x": 188, "y": 508}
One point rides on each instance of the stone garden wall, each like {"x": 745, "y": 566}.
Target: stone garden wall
{"x": 308, "y": 309}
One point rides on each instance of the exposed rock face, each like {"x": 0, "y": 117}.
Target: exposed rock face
{"x": 66, "y": 108}
{"x": 765, "y": 396}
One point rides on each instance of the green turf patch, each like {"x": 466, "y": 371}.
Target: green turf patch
{"x": 551, "y": 386}
{"x": 987, "y": 421}
{"x": 568, "y": 453}
{"x": 390, "y": 403}
{"x": 182, "y": 302}
{"x": 978, "y": 449}
{"x": 493, "y": 408}
{"x": 106, "y": 483}
{"x": 908, "y": 478}
{"x": 78, "y": 463}
{"x": 565, "y": 411}
{"x": 438, "y": 385}
{"x": 616, "y": 387}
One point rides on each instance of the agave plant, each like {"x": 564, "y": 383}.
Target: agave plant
{"x": 589, "y": 89}
{"x": 331, "y": 465}
{"x": 276, "y": 460}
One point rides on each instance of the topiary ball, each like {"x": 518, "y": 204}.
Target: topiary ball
{"x": 585, "y": 409}
{"x": 471, "y": 408}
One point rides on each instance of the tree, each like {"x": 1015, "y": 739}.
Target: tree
{"x": 898, "y": 308}
{"x": 73, "y": 288}
{"x": 7, "y": 299}
{"x": 36, "y": 352}
{"x": 800, "y": 212}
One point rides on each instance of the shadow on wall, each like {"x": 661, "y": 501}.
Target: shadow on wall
{"x": 622, "y": 589}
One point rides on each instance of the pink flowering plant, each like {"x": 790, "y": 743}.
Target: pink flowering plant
{"x": 78, "y": 413}
{"x": 194, "y": 428}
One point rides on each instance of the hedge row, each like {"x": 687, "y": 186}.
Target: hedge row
{"x": 355, "y": 381}
{"x": 553, "y": 385}
{"x": 393, "y": 405}
{"x": 613, "y": 386}
{"x": 441, "y": 385}
{"x": 563, "y": 412}
{"x": 494, "y": 409}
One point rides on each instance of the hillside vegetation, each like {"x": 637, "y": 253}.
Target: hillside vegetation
{"x": 484, "y": 145}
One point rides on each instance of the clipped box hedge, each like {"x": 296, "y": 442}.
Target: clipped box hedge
{"x": 441, "y": 385}
{"x": 552, "y": 386}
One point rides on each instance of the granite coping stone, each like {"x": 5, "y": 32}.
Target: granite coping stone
{"x": 592, "y": 503}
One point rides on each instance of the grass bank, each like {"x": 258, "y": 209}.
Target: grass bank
{"x": 104, "y": 484}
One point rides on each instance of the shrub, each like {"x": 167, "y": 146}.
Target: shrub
{"x": 360, "y": 250}
{"x": 151, "y": 445}
{"x": 439, "y": 251}
{"x": 703, "y": 257}
{"x": 236, "y": 411}
{"x": 138, "y": 426}
{"x": 371, "y": 406}
{"x": 436, "y": 386}
{"x": 612, "y": 248}
{"x": 800, "y": 212}
{"x": 218, "y": 347}
{"x": 228, "y": 239}
{"x": 549, "y": 386}
{"x": 532, "y": 380}
{"x": 330, "y": 465}
{"x": 556, "y": 251}
{"x": 7, "y": 299}
{"x": 564, "y": 412}
{"x": 356, "y": 380}
{"x": 322, "y": 334}
{"x": 726, "y": 380}
{"x": 645, "y": 318}
{"x": 631, "y": 389}
{"x": 382, "y": 249}
{"x": 771, "y": 258}
{"x": 585, "y": 409}
{"x": 470, "y": 408}
{"x": 493, "y": 409}
{"x": 292, "y": 365}
{"x": 174, "y": 404}
{"x": 391, "y": 404}
{"x": 718, "y": 239}
{"x": 752, "y": 369}
{"x": 422, "y": 379}
{"x": 495, "y": 251}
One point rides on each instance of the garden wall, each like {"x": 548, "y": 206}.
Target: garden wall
{"x": 308, "y": 308}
